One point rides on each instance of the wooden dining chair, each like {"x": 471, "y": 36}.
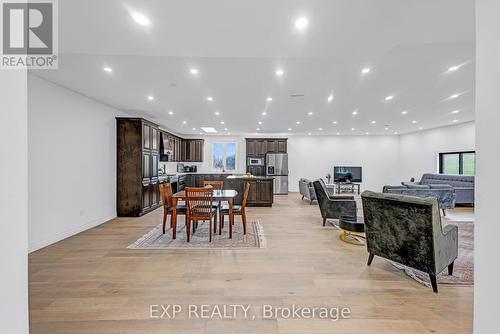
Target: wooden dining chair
{"x": 166, "y": 198}
{"x": 239, "y": 210}
{"x": 199, "y": 207}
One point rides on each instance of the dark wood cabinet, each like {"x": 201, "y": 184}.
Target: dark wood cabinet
{"x": 137, "y": 167}
{"x": 260, "y": 193}
{"x": 192, "y": 150}
{"x": 281, "y": 145}
{"x": 257, "y": 170}
{"x": 257, "y": 147}
{"x": 182, "y": 150}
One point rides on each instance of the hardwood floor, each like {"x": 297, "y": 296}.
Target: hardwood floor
{"x": 90, "y": 283}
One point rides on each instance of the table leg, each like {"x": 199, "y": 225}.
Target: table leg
{"x": 231, "y": 218}
{"x": 173, "y": 219}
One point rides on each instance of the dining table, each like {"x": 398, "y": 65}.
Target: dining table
{"x": 218, "y": 196}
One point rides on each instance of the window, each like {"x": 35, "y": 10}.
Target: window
{"x": 224, "y": 156}
{"x": 459, "y": 163}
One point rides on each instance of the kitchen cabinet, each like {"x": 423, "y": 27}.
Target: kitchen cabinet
{"x": 137, "y": 166}
{"x": 260, "y": 146}
{"x": 260, "y": 193}
{"x": 192, "y": 150}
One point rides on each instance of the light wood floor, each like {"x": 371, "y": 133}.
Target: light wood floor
{"x": 90, "y": 283}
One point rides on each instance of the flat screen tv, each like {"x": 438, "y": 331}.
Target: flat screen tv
{"x": 347, "y": 173}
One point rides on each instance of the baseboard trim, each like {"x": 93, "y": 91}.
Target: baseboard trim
{"x": 39, "y": 244}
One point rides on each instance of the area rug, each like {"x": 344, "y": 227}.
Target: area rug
{"x": 463, "y": 271}
{"x": 155, "y": 239}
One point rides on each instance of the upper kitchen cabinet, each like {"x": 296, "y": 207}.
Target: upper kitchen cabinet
{"x": 173, "y": 148}
{"x": 261, "y": 146}
{"x": 192, "y": 150}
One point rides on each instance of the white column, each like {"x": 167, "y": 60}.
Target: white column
{"x": 14, "y": 202}
{"x": 487, "y": 225}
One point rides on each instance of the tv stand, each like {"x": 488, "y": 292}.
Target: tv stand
{"x": 347, "y": 187}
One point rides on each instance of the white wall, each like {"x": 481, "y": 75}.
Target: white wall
{"x": 72, "y": 163}
{"x": 419, "y": 151}
{"x": 487, "y": 227}
{"x": 14, "y": 202}
{"x": 313, "y": 157}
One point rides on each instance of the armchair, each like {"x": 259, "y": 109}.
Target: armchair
{"x": 332, "y": 207}
{"x": 408, "y": 230}
{"x": 307, "y": 190}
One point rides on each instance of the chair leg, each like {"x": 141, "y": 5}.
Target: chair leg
{"x": 244, "y": 220}
{"x": 165, "y": 221}
{"x": 215, "y": 223}
{"x": 210, "y": 231}
{"x": 434, "y": 282}
{"x": 188, "y": 230}
{"x": 450, "y": 268}
{"x": 302, "y": 197}
{"x": 444, "y": 212}
{"x": 324, "y": 221}
{"x": 311, "y": 203}
{"x": 370, "y": 259}
{"x": 221, "y": 223}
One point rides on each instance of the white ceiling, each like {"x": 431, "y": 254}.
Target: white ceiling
{"x": 238, "y": 45}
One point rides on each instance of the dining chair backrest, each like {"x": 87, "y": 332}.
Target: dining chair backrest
{"x": 245, "y": 195}
{"x": 215, "y": 184}
{"x": 199, "y": 203}
{"x": 166, "y": 194}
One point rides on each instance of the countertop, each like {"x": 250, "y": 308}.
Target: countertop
{"x": 230, "y": 175}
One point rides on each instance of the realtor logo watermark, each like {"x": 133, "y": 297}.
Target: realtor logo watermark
{"x": 29, "y": 34}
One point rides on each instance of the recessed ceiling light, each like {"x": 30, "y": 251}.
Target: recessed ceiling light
{"x": 334, "y": 122}
{"x": 330, "y": 98}
{"x": 108, "y": 69}
{"x": 455, "y": 120}
{"x": 390, "y": 97}
{"x": 455, "y": 111}
{"x": 225, "y": 129}
{"x": 310, "y": 113}
{"x": 289, "y": 129}
{"x": 309, "y": 133}
{"x": 454, "y": 96}
{"x": 386, "y": 127}
{"x": 194, "y": 129}
{"x": 320, "y": 129}
{"x": 222, "y": 122}
{"x": 217, "y": 113}
{"x": 264, "y": 113}
{"x": 373, "y": 122}
{"x": 258, "y": 129}
{"x": 367, "y": 133}
{"x": 201, "y": 133}
{"x": 184, "y": 122}
{"x": 365, "y": 70}
{"x": 414, "y": 122}
{"x": 193, "y": 71}
{"x": 279, "y": 72}
{"x": 269, "y": 99}
{"x": 170, "y": 113}
{"x": 454, "y": 68}
{"x": 395, "y": 132}
{"x": 352, "y": 129}
{"x": 420, "y": 127}
{"x": 355, "y": 112}
{"x": 151, "y": 98}
{"x": 260, "y": 123}
{"x": 301, "y": 23}
{"x": 210, "y": 98}
{"x": 338, "y": 133}
{"x": 298, "y": 122}
{"x": 141, "y": 19}
{"x": 209, "y": 129}
{"x": 404, "y": 112}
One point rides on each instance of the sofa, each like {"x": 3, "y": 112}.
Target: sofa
{"x": 332, "y": 207}
{"x": 408, "y": 230}
{"x": 445, "y": 194}
{"x": 306, "y": 189}
{"x": 463, "y": 185}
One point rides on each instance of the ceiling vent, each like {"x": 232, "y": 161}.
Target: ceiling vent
{"x": 296, "y": 95}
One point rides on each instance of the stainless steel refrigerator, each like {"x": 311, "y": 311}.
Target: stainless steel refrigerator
{"x": 277, "y": 167}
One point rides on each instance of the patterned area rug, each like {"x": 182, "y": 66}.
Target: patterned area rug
{"x": 463, "y": 271}
{"x": 154, "y": 239}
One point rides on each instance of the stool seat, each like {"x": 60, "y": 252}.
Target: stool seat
{"x": 352, "y": 224}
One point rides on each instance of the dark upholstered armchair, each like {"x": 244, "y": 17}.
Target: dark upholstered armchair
{"x": 407, "y": 230}
{"x": 332, "y": 207}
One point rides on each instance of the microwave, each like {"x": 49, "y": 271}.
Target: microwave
{"x": 255, "y": 162}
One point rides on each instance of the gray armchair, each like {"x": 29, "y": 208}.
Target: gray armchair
{"x": 408, "y": 230}
{"x": 332, "y": 207}
{"x": 306, "y": 189}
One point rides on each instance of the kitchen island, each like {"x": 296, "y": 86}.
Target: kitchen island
{"x": 261, "y": 187}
